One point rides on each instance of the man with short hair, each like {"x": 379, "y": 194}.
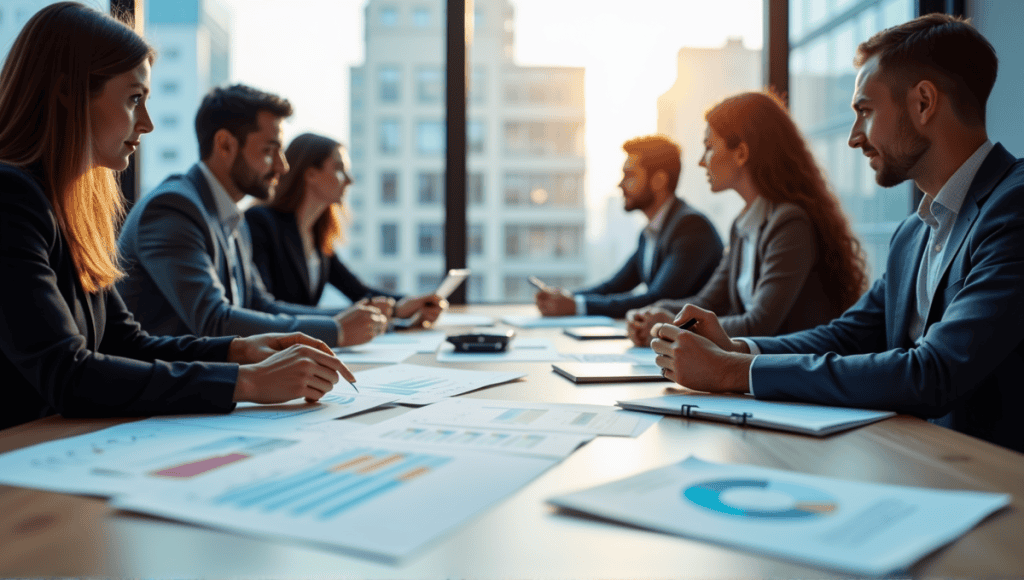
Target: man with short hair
{"x": 187, "y": 251}
{"x": 941, "y": 334}
{"x": 678, "y": 250}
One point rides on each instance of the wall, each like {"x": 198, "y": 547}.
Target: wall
{"x": 1000, "y": 22}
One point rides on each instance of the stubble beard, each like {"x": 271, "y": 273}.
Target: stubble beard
{"x": 912, "y": 146}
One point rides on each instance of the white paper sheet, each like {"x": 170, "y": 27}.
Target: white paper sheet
{"x": 556, "y": 321}
{"x": 527, "y": 349}
{"x": 636, "y": 355}
{"x": 422, "y": 341}
{"x": 409, "y": 427}
{"x": 422, "y": 385}
{"x": 373, "y": 501}
{"x": 368, "y": 355}
{"x": 536, "y": 416}
{"x": 860, "y": 528}
{"x": 463, "y": 319}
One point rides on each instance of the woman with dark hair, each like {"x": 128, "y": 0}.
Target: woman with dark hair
{"x": 293, "y": 237}
{"x": 71, "y": 114}
{"x": 792, "y": 262}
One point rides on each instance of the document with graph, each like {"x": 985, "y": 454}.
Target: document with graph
{"x": 857, "y": 527}
{"x": 371, "y": 500}
{"x": 421, "y": 385}
{"x": 536, "y": 416}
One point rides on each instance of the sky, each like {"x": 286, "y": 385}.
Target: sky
{"x": 302, "y": 49}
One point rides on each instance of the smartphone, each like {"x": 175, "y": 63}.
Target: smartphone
{"x": 538, "y": 284}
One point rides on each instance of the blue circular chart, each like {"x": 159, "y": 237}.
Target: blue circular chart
{"x": 761, "y": 499}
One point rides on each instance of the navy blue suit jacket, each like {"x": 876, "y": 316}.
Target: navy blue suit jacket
{"x": 82, "y": 355}
{"x": 687, "y": 252}
{"x": 178, "y": 279}
{"x": 969, "y": 368}
{"x": 281, "y": 261}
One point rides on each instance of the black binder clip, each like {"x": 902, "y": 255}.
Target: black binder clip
{"x": 688, "y": 410}
{"x": 740, "y": 418}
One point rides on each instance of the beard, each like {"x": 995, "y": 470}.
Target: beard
{"x": 896, "y": 165}
{"x": 641, "y": 200}
{"x": 249, "y": 182}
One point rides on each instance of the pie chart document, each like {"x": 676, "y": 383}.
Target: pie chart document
{"x": 862, "y": 528}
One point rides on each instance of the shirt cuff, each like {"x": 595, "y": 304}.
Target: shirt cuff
{"x": 756, "y": 351}
{"x": 581, "y": 304}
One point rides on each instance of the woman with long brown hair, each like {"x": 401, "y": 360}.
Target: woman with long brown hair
{"x": 793, "y": 261}
{"x": 71, "y": 114}
{"x": 293, "y": 236}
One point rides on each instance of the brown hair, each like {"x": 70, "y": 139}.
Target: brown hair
{"x": 657, "y": 152}
{"x": 783, "y": 170}
{"x": 60, "y": 60}
{"x": 235, "y": 108}
{"x": 306, "y": 151}
{"x": 941, "y": 48}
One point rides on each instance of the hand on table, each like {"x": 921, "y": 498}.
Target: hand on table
{"x": 426, "y": 308}
{"x": 254, "y": 349}
{"x": 639, "y": 322}
{"x": 555, "y": 302}
{"x": 299, "y": 370}
{"x": 360, "y": 323}
{"x": 704, "y": 357}
{"x": 385, "y": 304}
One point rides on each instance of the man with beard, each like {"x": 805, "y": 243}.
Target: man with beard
{"x": 941, "y": 334}
{"x": 186, "y": 249}
{"x": 678, "y": 249}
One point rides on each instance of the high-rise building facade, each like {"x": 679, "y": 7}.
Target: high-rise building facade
{"x": 525, "y": 133}
{"x": 705, "y": 76}
{"x": 193, "y": 42}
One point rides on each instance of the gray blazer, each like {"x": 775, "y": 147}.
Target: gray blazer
{"x": 788, "y": 291}
{"x": 178, "y": 277}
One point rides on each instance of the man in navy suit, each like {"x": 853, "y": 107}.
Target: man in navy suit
{"x": 187, "y": 251}
{"x": 941, "y": 334}
{"x": 678, "y": 250}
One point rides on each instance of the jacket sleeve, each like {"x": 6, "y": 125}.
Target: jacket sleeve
{"x": 39, "y": 337}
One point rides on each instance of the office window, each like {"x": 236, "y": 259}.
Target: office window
{"x": 478, "y": 19}
{"x": 478, "y": 85}
{"x": 388, "y": 16}
{"x": 476, "y": 188}
{"x": 388, "y": 282}
{"x": 476, "y": 288}
{"x": 431, "y": 240}
{"x": 389, "y": 239}
{"x": 389, "y": 187}
{"x": 429, "y": 84}
{"x": 427, "y": 283}
{"x": 390, "y": 136}
{"x": 475, "y": 240}
{"x": 390, "y": 81}
{"x": 536, "y": 189}
{"x": 421, "y": 17}
{"x": 429, "y": 187}
{"x": 542, "y": 138}
{"x": 537, "y": 241}
{"x": 476, "y": 137}
{"x": 430, "y": 137}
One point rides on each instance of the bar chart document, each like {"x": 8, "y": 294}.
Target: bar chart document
{"x": 375, "y": 501}
{"x": 420, "y": 385}
{"x": 859, "y": 528}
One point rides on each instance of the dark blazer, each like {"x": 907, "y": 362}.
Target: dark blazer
{"x": 281, "y": 261}
{"x": 788, "y": 291}
{"x": 82, "y": 355}
{"x": 178, "y": 279}
{"x": 687, "y": 251}
{"x": 968, "y": 369}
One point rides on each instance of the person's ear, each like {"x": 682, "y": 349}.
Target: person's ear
{"x": 742, "y": 153}
{"x": 923, "y": 102}
{"x": 659, "y": 180}
{"x": 225, "y": 145}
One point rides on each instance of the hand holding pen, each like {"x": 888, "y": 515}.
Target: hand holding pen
{"x": 698, "y": 354}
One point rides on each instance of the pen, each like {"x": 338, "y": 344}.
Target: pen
{"x": 688, "y": 324}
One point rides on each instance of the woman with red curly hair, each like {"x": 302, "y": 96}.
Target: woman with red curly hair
{"x": 792, "y": 262}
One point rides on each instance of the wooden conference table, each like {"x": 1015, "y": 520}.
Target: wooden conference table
{"x": 49, "y": 534}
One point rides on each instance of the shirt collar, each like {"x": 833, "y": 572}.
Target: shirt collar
{"x": 227, "y": 209}
{"x": 658, "y": 221}
{"x": 749, "y": 222}
{"x": 951, "y": 195}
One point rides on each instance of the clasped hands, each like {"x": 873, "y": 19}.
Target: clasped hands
{"x": 704, "y": 357}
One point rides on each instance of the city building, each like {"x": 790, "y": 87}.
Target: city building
{"x": 193, "y": 42}
{"x": 15, "y": 13}
{"x": 525, "y": 133}
{"x": 704, "y": 77}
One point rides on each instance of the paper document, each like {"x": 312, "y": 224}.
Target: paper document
{"x": 421, "y": 385}
{"x": 556, "y": 321}
{"x": 746, "y": 410}
{"x": 463, "y": 319}
{"x": 421, "y": 341}
{"x": 519, "y": 350}
{"x": 366, "y": 355}
{"x": 377, "y": 501}
{"x": 536, "y": 416}
{"x": 637, "y": 355}
{"x": 859, "y": 528}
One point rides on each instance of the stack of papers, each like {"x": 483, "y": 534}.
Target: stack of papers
{"x": 421, "y": 385}
{"x": 556, "y": 321}
{"x": 860, "y": 528}
{"x": 746, "y": 410}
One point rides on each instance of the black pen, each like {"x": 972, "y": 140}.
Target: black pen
{"x": 688, "y": 324}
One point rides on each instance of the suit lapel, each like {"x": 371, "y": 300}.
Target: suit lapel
{"x": 675, "y": 213}
{"x": 197, "y": 178}
{"x": 902, "y": 271}
{"x": 293, "y": 247}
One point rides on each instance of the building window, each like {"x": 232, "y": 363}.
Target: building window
{"x": 170, "y": 87}
{"x": 429, "y": 85}
{"x": 431, "y": 240}
{"x": 388, "y": 282}
{"x": 390, "y": 136}
{"x": 475, "y": 288}
{"x": 169, "y": 154}
{"x": 478, "y": 85}
{"x": 476, "y": 136}
{"x": 388, "y": 16}
{"x": 430, "y": 137}
{"x": 544, "y": 242}
{"x": 534, "y": 189}
{"x": 421, "y": 17}
{"x": 475, "y": 240}
{"x": 429, "y": 187}
{"x": 427, "y": 283}
{"x": 389, "y": 187}
{"x": 390, "y": 80}
{"x": 389, "y": 239}
{"x": 476, "y": 188}
{"x": 536, "y": 138}
{"x": 169, "y": 121}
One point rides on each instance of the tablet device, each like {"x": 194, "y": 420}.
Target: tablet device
{"x": 590, "y": 373}
{"x": 595, "y": 332}
{"x": 455, "y": 277}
